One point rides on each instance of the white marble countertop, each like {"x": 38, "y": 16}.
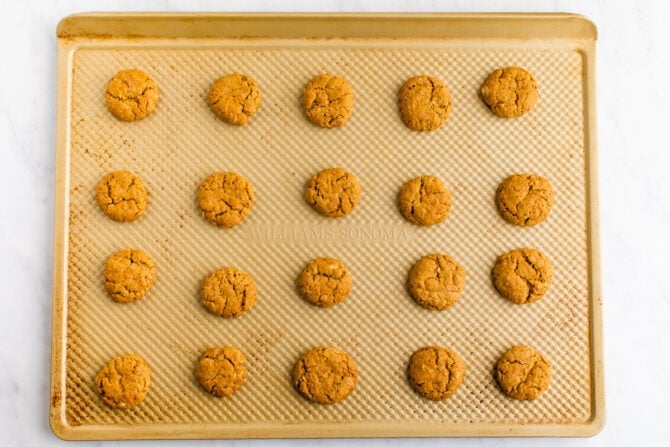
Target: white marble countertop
{"x": 633, "y": 93}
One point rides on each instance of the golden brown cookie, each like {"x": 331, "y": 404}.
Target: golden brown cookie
{"x": 523, "y": 373}
{"x": 129, "y": 274}
{"x": 124, "y": 381}
{"x": 225, "y": 198}
{"x": 523, "y": 275}
{"x": 235, "y": 98}
{"x": 131, "y": 95}
{"x": 436, "y": 281}
{"x": 333, "y": 192}
{"x": 525, "y": 199}
{"x": 325, "y": 375}
{"x": 435, "y": 372}
{"x": 425, "y": 200}
{"x": 325, "y": 282}
{"x": 425, "y": 103}
{"x": 228, "y": 292}
{"x": 328, "y": 100}
{"x": 221, "y": 371}
{"x": 510, "y": 91}
{"x": 122, "y": 196}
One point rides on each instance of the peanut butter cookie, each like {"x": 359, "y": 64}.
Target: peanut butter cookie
{"x": 325, "y": 282}
{"x": 523, "y": 373}
{"x": 510, "y": 91}
{"x": 525, "y": 199}
{"x": 129, "y": 274}
{"x": 435, "y": 372}
{"x": 225, "y": 198}
{"x": 325, "y": 375}
{"x": 436, "y": 281}
{"x": 122, "y": 196}
{"x": 425, "y": 200}
{"x": 124, "y": 381}
{"x": 235, "y": 98}
{"x": 228, "y": 292}
{"x": 523, "y": 275}
{"x": 221, "y": 371}
{"x": 328, "y": 100}
{"x": 333, "y": 192}
{"x": 131, "y": 95}
{"x": 425, "y": 103}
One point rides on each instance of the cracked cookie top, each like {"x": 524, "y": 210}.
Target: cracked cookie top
{"x": 122, "y": 196}
{"x": 510, "y": 91}
{"x": 425, "y": 103}
{"x": 435, "y": 372}
{"x": 436, "y": 281}
{"x": 328, "y": 100}
{"x": 228, "y": 292}
{"x": 325, "y": 282}
{"x": 525, "y": 199}
{"x": 333, "y": 192}
{"x": 235, "y": 98}
{"x": 129, "y": 274}
{"x": 124, "y": 381}
{"x": 523, "y": 373}
{"x": 131, "y": 95}
{"x": 425, "y": 200}
{"x": 523, "y": 275}
{"x": 221, "y": 371}
{"x": 225, "y": 198}
{"x": 325, "y": 375}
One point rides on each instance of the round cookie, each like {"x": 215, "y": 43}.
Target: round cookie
{"x": 436, "y": 281}
{"x": 225, "y": 198}
{"x": 235, "y": 98}
{"x": 325, "y": 282}
{"x": 328, "y": 100}
{"x": 124, "y": 381}
{"x": 131, "y": 95}
{"x": 523, "y": 275}
{"x": 129, "y": 274}
{"x": 122, "y": 196}
{"x": 228, "y": 292}
{"x": 510, "y": 91}
{"x": 425, "y": 103}
{"x": 333, "y": 192}
{"x": 435, "y": 372}
{"x": 525, "y": 199}
{"x": 523, "y": 373}
{"x": 325, "y": 375}
{"x": 221, "y": 371}
{"x": 425, "y": 200}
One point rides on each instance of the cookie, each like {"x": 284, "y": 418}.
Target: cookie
{"x": 525, "y": 199}
{"x": 325, "y": 375}
{"x": 131, "y": 95}
{"x": 325, "y": 282}
{"x": 425, "y": 200}
{"x": 221, "y": 371}
{"x": 435, "y": 372}
{"x": 523, "y": 275}
{"x": 235, "y": 98}
{"x": 122, "y": 196}
{"x": 228, "y": 292}
{"x": 436, "y": 281}
{"x": 333, "y": 192}
{"x": 328, "y": 100}
{"x": 225, "y": 198}
{"x": 523, "y": 373}
{"x": 425, "y": 103}
{"x": 129, "y": 274}
{"x": 124, "y": 381}
{"x": 510, "y": 91}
